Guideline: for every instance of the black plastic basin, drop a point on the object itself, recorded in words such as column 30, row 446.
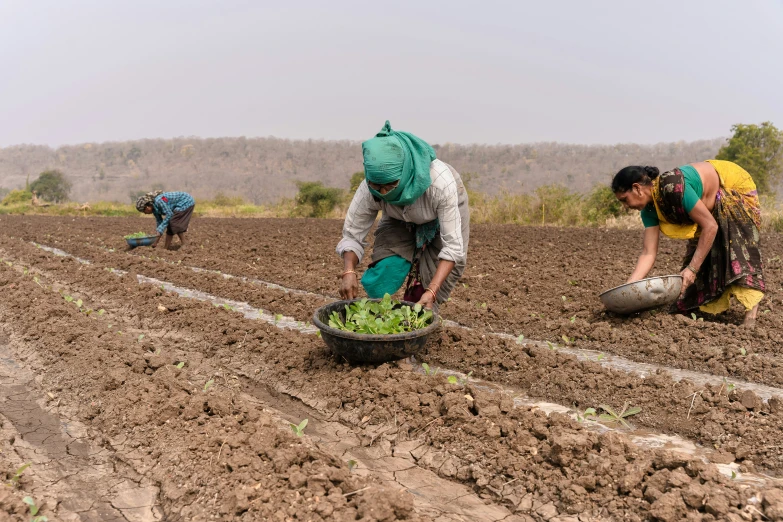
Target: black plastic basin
column 366, row 348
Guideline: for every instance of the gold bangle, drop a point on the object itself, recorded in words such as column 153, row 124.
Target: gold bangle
column 430, row 290
column 689, row 267
column 348, row 272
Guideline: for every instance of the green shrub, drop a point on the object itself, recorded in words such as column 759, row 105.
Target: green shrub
column 356, row 180
column 602, row 204
column 316, row 200
column 16, row 197
column 222, row 200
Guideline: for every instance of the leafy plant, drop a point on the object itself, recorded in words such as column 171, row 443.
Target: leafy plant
column 278, row 317
column 589, row 412
column 428, row 370
column 180, row 364
column 520, row 339
column 612, row 416
column 452, row 379
column 135, row 235
column 209, row 384
column 18, row 474
column 299, row 430
column 380, row 317
column 34, row 510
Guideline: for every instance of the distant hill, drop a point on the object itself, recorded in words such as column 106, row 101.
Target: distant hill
column 265, row 169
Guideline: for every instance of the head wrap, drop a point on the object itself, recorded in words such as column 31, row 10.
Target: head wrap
column 147, row 199
column 398, row 156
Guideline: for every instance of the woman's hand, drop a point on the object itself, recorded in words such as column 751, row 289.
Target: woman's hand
column 153, row 245
column 427, row 300
column 688, row 278
column 349, row 286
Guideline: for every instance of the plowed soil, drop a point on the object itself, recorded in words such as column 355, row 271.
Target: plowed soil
column 132, row 403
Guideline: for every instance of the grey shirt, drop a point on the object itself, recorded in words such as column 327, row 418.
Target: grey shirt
column 440, row 201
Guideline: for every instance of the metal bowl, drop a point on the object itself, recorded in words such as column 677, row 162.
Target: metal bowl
column 643, row 294
column 367, row 348
column 134, row 242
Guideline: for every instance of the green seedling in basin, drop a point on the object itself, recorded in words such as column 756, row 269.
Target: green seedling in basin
column 135, row 235
column 299, row 429
column 612, row 416
column 382, row 317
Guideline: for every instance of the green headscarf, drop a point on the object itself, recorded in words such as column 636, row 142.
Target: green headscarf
column 393, row 155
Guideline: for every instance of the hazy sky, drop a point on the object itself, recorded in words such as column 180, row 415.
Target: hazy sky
column 462, row 72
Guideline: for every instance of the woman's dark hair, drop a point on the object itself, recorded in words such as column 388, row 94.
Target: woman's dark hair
column 626, row 178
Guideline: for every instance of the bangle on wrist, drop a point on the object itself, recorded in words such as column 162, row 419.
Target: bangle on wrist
column 690, row 267
column 430, row 290
column 348, row 272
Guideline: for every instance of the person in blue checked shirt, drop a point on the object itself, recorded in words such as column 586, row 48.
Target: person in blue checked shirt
column 172, row 211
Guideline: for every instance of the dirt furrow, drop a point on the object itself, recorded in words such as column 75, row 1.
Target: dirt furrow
column 385, row 393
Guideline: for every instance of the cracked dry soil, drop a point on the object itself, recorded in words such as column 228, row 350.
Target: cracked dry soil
column 419, row 448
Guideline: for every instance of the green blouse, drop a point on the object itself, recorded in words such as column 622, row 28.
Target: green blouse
column 692, row 194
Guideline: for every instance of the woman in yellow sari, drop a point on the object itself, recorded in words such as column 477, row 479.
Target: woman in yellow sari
column 714, row 205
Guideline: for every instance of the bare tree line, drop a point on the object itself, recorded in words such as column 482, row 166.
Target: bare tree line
column 263, row 170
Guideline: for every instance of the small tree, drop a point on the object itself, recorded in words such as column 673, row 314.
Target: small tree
column 317, row 199
column 356, row 180
column 759, row 150
column 601, row 203
column 52, row 186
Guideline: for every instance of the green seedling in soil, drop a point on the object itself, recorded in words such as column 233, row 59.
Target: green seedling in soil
column 299, row 430
column 573, row 283
column 278, row 317
column 464, row 285
column 743, row 351
column 382, row 317
column 18, row 475
column 589, row 412
column 733, row 475
column 209, row 384
column 101, row 311
column 550, row 345
column 520, row 339
column 452, row 379
column 567, row 339
column 612, row 416
column 157, row 352
column 68, row 298
column 318, row 333
column 141, row 336
column 573, row 319
column 428, row 370
column 34, row 510
column 180, row 364
column 352, row 465
column 483, row 305
column 135, row 235
column 600, row 356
